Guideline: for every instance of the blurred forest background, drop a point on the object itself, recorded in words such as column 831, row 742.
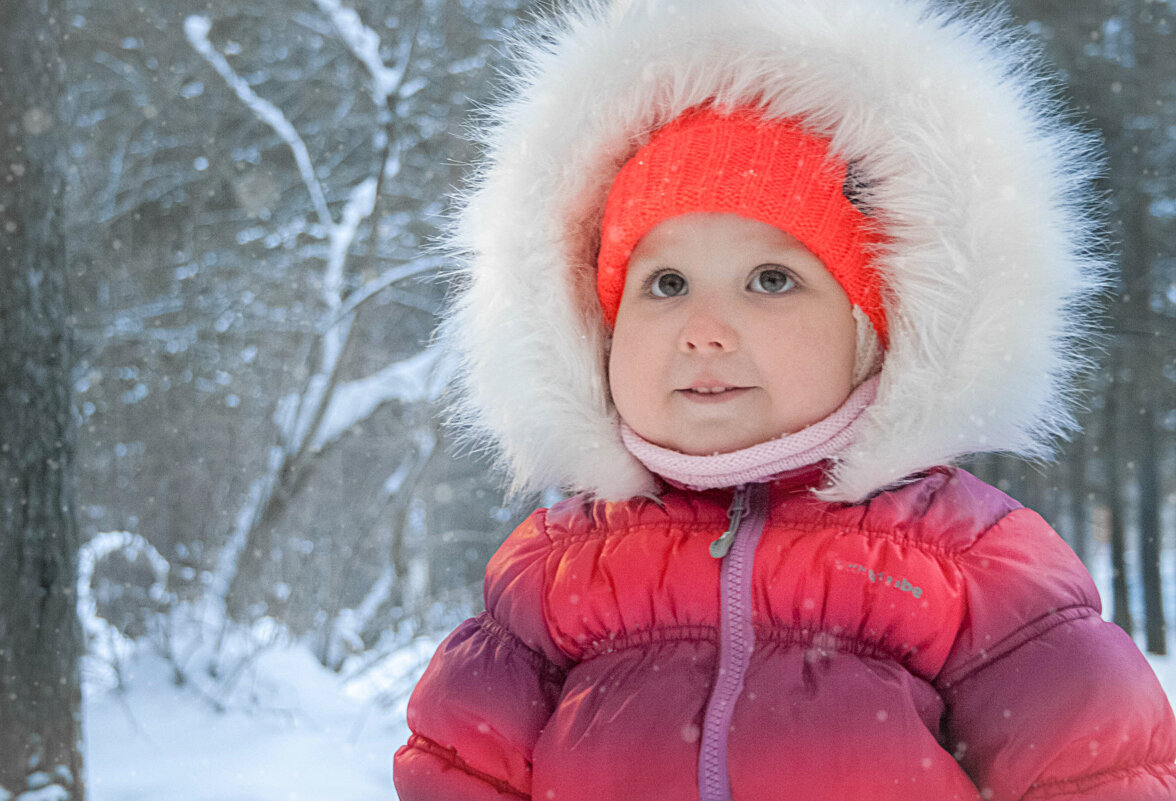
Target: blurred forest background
column 250, row 188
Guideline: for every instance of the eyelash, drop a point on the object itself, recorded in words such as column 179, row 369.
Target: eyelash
column 652, row 279
column 775, row 268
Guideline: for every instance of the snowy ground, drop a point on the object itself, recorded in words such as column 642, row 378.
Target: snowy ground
column 293, row 731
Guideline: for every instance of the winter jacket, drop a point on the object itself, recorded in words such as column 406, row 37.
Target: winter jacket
column 937, row 642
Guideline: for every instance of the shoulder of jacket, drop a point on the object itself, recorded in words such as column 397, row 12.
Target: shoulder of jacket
column 584, row 515
column 944, row 508
column 574, row 516
column 1019, row 580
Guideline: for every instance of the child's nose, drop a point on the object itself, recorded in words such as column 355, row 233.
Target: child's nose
column 707, row 332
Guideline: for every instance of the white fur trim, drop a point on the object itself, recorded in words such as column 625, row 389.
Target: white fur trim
column 979, row 182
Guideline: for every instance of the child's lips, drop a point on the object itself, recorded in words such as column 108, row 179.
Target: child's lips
column 712, row 393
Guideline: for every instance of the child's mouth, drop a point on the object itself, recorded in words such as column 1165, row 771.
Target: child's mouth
column 713, row 394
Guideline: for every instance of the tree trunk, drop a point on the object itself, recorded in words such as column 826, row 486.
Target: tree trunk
column 1076, row 466
column 1149, row 537
column 1116, row 503
column 40, row 638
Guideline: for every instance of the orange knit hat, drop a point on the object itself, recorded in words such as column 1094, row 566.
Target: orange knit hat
column 773, row 171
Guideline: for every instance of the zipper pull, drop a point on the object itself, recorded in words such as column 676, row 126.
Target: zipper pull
column 719, row 548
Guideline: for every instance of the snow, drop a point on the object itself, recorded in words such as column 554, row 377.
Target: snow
column 100, row 635
column 296, row 734
column 52, row 792
column 365, row 45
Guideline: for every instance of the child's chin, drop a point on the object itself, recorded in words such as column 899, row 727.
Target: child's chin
column 710, row 446
column 705, row 437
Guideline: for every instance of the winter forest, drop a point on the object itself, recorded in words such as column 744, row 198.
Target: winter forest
column 235, row 527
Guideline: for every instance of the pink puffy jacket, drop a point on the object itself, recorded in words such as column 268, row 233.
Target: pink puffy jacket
column 938, row 642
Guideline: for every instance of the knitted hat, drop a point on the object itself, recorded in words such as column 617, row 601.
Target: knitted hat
column 770, row 170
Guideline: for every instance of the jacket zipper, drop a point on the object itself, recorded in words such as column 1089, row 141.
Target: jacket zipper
column 736, row 547
column 719, row 548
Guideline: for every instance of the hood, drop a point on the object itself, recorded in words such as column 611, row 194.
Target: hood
column 977, row 178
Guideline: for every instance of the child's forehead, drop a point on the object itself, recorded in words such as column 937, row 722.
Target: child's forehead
column 720, row 230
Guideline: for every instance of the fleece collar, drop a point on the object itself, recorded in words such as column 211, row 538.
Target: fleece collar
column 820, row 442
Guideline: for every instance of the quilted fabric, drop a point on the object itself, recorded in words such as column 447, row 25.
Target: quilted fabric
column 938, row 642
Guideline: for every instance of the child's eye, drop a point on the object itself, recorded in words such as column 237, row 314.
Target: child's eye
column 667, row 285
column 771, row 281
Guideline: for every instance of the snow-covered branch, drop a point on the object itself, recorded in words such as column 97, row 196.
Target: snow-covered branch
column 98, row 548
column 196, row 29
column 382, row 281
column 360, row 203
column 412, row 380
column 228, row 560
column 364, row 44
column 324, row 409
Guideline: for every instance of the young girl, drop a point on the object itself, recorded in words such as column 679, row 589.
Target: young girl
column 747, row 276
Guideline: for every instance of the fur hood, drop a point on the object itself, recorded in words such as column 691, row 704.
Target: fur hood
column 980, row 183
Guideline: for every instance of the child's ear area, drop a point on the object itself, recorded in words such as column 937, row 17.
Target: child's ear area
column 606, row 353
column 869, row 355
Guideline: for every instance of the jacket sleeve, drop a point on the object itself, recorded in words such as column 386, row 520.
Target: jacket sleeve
column 489, row 689
column 1045, row 699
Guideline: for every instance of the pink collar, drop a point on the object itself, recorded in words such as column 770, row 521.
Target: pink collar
column 820, row 441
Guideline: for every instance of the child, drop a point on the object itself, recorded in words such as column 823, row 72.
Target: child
column 747, row 275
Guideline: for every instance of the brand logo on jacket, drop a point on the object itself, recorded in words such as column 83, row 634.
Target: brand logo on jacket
column 900, row 583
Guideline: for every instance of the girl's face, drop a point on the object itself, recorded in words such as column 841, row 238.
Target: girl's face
column 730, row 332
